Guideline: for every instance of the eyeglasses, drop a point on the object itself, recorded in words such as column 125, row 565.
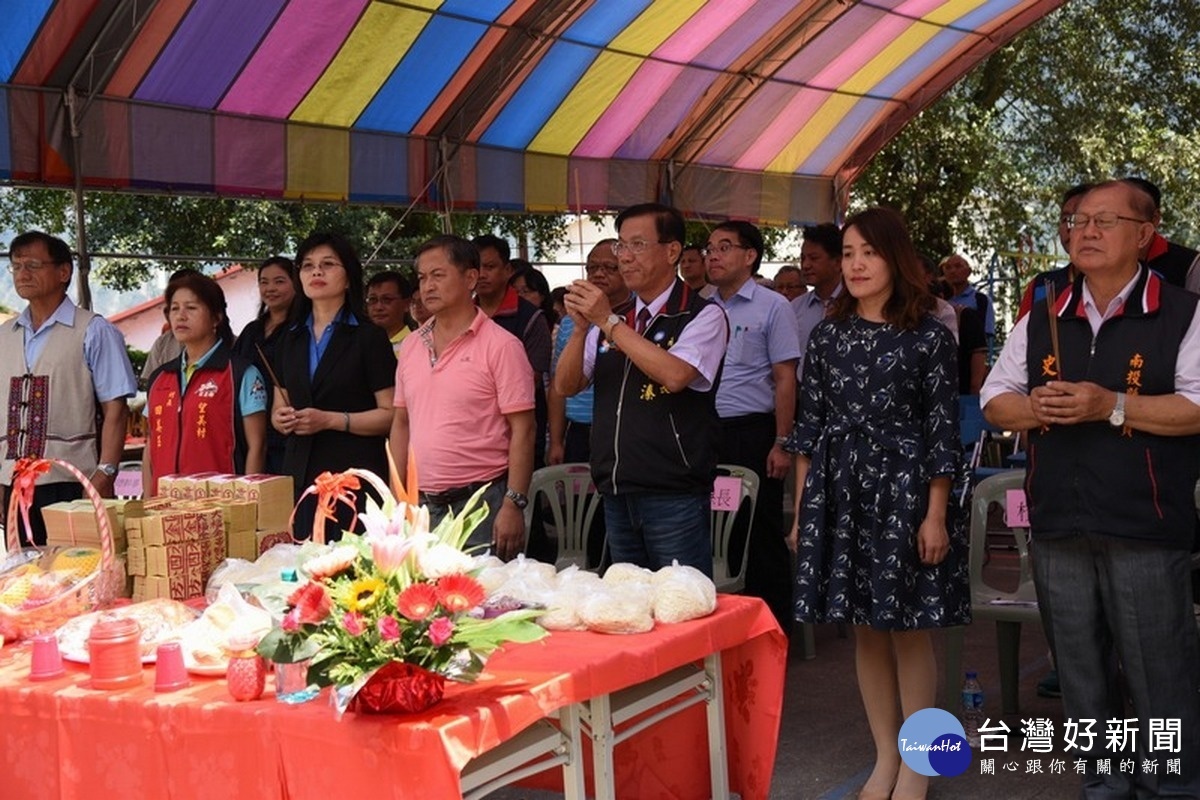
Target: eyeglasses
column 722, row 248
column 28, row 264
column 381, row 299
column 601, row 267
column 1105, row 220
column 324, row 266
column 634, row 248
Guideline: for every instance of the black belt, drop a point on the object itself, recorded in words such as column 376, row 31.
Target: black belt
column 451, row 496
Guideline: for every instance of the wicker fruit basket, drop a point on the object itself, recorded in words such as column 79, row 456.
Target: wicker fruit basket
column 40, row 591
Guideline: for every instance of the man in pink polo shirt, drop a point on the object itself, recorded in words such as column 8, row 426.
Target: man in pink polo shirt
column 464, row 400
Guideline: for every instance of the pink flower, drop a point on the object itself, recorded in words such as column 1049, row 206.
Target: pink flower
column 440, row 631
column 389, row 552
column 389, row 629
column 291, row 621
column 354, row 623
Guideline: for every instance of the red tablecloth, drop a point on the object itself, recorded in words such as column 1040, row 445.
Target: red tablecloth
column 63, row 739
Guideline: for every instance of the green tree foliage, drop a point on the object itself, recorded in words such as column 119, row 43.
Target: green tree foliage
column 1099, row 89
column 221, row 228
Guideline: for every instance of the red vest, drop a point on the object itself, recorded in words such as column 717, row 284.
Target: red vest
column 195, row 433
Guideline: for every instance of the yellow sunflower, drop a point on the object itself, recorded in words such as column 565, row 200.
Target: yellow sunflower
column 361, row 594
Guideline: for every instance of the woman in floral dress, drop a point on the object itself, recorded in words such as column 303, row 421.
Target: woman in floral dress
column 877, row 447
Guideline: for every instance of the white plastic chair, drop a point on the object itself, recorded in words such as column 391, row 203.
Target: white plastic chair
column 1009, row 609
column 573, row 502
column 722, row 530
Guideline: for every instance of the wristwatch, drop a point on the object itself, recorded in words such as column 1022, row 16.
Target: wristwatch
column 1117, row 417
column 611, row 322
column 108, row 469
column 519, row 500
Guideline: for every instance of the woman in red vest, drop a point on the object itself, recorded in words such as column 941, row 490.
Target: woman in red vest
column 206, row 409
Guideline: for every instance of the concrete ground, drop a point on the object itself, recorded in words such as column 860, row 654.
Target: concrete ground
column 825, row 750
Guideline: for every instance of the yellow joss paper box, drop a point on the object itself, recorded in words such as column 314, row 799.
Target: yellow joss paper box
column 150, row 587
column 222, row 487
column 180, row 543
column 185, row 487
column 75, row 523
column 249, row 545
column 272, row 496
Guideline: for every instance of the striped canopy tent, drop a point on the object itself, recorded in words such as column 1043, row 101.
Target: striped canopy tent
column 761, row 109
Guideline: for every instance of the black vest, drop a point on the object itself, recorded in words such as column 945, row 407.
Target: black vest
column 1174, row 264
column 1096, row 478
column 644, row 438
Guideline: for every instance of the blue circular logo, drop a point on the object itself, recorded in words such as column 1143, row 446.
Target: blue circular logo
column 932, row 742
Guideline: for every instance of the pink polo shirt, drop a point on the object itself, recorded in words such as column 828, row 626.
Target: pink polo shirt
column 456, row 405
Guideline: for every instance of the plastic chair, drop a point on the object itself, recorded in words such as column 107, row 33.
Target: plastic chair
column 1009, row 609
column 573, row 502
column 974, row 432
column 722, row 530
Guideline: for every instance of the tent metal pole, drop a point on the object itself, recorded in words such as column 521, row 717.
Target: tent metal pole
column 83, row 289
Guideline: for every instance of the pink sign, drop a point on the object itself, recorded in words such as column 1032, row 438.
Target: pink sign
column 726, row 493
column 128, row 483
column 1016, row 509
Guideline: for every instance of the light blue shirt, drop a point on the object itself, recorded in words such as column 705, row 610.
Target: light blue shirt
column 252, row 394
column 810, row 310
column 103, row 350
column 317, row 344
column 762, row 333
column 579, row 406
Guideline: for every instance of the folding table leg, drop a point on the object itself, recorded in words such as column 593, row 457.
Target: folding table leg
column 573, row 777
column 601, row 726
column 718, row 761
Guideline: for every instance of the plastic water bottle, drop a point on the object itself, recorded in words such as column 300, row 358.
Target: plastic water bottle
column 291, row 680
column 972, row 704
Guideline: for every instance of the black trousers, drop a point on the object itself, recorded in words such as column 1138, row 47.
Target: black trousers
column 747, row 441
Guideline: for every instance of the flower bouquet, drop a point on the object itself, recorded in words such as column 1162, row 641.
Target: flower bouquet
column 387, row 615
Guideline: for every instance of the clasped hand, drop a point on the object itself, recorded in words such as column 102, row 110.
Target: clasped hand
column 587, row 304
column 1069, row 403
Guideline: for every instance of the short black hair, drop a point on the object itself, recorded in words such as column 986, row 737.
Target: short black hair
column 495, row 242
column 1149, row 188
column 348, row 255
column 403, row 285
column 59, row 252
column 827, row 236
column 668, row 221
column 748, row 236
column 1076, row 191
column 459, row 252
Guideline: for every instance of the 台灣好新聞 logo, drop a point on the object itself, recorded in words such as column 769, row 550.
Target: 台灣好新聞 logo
column 932, row 742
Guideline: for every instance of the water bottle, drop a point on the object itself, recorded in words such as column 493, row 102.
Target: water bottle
column 972, row 705
column 291, row 679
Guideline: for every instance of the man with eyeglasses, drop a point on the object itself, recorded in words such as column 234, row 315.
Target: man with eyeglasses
column 571, row 417
column 655, row 372
column 756, row 403
column 1109, row 390
column 389, row 295
column 63, row 367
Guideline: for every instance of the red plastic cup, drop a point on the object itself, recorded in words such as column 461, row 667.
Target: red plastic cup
column 169, row 671
column 47, row 660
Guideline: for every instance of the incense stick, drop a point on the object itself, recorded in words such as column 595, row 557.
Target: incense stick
column 274, row 378
column 1050, row 303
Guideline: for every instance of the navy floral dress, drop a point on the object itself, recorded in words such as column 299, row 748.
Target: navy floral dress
column 879, row 420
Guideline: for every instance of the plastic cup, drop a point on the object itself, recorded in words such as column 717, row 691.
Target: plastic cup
column 47, row 660
column 169, row 671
